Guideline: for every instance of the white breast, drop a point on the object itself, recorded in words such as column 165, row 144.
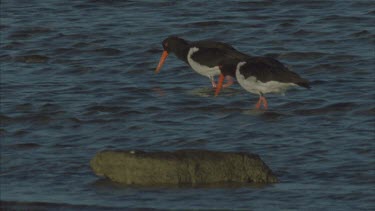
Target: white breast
column 251, row 84
column 201, row 69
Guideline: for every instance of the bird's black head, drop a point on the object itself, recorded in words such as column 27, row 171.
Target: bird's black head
column 173, row 44
column 176, row 45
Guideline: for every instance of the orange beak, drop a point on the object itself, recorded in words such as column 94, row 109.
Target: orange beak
column 161, row 61
column 219, row 85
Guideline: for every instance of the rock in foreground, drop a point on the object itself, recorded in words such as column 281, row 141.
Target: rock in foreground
column 181, row 167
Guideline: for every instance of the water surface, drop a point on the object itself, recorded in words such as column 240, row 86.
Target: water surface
column 77, row 77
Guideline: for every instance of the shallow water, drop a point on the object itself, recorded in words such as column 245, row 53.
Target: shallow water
column 77, row 78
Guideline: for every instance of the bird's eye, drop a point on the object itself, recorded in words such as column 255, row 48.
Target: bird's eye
column 165, row 45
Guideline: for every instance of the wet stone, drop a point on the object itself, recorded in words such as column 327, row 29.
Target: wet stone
column 32, row 59
column 181, row 167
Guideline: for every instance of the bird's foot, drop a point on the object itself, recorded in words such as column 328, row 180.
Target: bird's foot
column 262, row 101
column 229, row 82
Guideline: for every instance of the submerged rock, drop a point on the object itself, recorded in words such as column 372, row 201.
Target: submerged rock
column 181, row 167
column 32, row 59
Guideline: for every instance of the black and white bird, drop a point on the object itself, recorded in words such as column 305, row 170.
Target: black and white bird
column 261, row 75
column 205, row 56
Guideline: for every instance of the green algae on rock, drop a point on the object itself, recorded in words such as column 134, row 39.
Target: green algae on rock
column 181, row 167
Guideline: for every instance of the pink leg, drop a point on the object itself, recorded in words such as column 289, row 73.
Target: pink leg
column 262, row 101
column 229, row 81
column 265, row 104
column 257, row 106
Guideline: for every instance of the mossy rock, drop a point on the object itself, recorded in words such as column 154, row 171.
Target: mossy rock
column 181, row 167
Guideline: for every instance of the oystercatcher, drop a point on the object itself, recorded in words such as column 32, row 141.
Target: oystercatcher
column 203, row 56
column 261, row 75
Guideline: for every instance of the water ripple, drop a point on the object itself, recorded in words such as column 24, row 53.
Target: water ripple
column 336, row 107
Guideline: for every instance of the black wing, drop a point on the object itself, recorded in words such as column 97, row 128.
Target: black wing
column 268, row 69
column 213, row 53
column 212, row 44
column 209, row 56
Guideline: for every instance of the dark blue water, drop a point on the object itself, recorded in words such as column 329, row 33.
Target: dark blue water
column 77, row 77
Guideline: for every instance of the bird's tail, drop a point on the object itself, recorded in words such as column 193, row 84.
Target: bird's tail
column 304, row 83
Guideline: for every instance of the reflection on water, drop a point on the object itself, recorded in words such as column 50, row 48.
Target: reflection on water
column 210, row 92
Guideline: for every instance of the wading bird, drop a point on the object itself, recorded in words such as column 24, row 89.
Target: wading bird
column 261, row 75
column 203, row 56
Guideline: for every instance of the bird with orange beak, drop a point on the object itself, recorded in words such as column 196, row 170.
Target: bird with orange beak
column 205, row 56
column 261, row 75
